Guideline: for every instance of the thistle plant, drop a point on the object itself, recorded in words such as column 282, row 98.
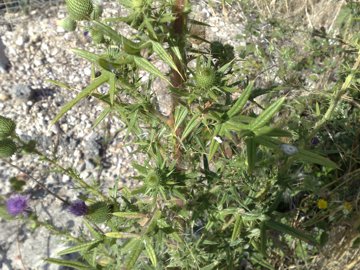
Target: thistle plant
column 215, row 169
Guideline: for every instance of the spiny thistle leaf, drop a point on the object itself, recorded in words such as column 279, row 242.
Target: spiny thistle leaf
column 82, row 247
column 135, row 252
column 7, row 127
column 267, row 114
column 75, row 265
column 87, row 90
column 7, row 148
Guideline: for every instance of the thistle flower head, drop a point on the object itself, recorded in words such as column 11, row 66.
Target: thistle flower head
column 78, row 208
column 17, row 204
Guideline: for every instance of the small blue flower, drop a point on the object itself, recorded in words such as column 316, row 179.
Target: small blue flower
column 17, row 204
column 78, row 208
column 315, row 141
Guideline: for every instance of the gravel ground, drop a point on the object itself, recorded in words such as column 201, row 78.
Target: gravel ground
column 39, row 50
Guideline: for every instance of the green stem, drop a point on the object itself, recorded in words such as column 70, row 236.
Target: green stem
column 338, row 93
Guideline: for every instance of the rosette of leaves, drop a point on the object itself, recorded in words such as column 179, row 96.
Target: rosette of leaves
column 7, row 127
column 79, row 9
column 99, row 212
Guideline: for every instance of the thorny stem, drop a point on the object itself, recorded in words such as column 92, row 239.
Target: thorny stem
column 177, row 80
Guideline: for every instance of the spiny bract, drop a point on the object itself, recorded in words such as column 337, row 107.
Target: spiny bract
column 7, row 148
column 7, row 127
column 99, row 212
column 68, row 24
column 205, row 77
column 97, row 36
column 79, row 9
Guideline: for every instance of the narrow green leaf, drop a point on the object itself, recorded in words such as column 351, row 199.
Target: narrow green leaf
column 93, row 232
column 136, row 250
column 312, row 157
column 129, row 215
column 283, row 228
column 153, row 221
column 86, row 91
column 176, row 52
column 237, row 227
column 241, row 101
column 147, row 66
column 236, row 126
column 223, row 69
column 150, row 251
column 102, row 116
column 112, row 89
column 92, row 57
column 267, row 114
column 268, row 142
column 215, row 142
column 116, row 37
column 77, row 248
column 256, row 258
column 272, row 132
column 162, row 53
column 263, row 239
column 191, row 125
column 75, row 265
column 149, row 26
column 251, row 147
column 180, row 115
column 121, row 235
column 60, row 84
column 210, row 266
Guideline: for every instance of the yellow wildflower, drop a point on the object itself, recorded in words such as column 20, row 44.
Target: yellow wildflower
column 322, row 204
column 347, row 206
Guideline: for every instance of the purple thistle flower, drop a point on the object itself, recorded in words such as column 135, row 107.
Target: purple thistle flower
column 78, row 208
column 315, row 141
column 17, row 204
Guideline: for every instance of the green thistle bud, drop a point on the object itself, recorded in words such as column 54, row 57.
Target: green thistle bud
column 97, row 12
column 7, row 127
column 205, row 77
column 152, row 179
column 68, row 24
column 99, row 212
column 7, row 148
column 97, row 36
column 79, row 9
